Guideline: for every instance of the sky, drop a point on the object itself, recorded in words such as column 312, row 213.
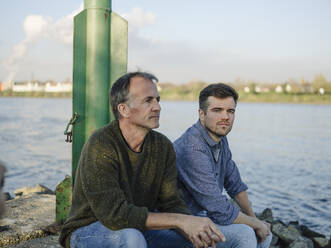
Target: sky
column 179, row 41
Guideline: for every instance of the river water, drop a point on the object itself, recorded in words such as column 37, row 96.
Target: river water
column 283, row 151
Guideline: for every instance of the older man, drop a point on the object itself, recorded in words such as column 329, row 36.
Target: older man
column 125, row 193
column 206, row 167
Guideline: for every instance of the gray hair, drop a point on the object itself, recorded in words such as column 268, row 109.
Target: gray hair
column 119, row 92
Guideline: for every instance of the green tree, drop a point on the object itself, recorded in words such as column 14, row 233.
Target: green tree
column 319, row 81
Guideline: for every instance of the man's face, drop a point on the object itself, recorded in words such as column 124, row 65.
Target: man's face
column 219, row 116
column 144, row 103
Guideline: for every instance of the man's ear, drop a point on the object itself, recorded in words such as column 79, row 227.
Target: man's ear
column 124, row 110
column 201, row 116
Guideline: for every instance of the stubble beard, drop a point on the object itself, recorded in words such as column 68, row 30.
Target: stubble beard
column 147, row 127
column 217, row 134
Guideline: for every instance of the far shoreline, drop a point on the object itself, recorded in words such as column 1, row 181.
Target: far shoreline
column 190, row 96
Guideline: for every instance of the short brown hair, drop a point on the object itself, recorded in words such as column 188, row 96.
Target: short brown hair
column 218, row 90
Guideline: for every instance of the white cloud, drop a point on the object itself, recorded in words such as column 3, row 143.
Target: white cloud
column 62, row 29
column 37, row 28
column 139, row 18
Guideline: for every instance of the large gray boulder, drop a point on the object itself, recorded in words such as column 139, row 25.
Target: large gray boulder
column 26, row 218
column 38, row 189
column 285, row 234
column 321, row 242
column 306, row 243
column 266, row 215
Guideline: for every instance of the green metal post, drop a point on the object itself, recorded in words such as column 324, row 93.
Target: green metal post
column 100, row 57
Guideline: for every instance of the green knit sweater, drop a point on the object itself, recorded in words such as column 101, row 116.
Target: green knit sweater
column 118, row 186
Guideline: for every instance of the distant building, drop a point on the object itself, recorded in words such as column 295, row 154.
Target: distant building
column 321, row 91
column 261, row 89
column 288, row 88
column 36, row 86
column 246, row 89
column 51, row 86
column 279, row 89
column 23, row 87
column 307, row 87
column 5, row 85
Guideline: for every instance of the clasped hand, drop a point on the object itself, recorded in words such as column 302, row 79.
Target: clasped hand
column 201, row 231
column 263, row 231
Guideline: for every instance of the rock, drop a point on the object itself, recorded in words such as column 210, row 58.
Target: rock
column 284, row 233
column 46, row 242
column 30, row 220
column 307, row 243
column 38, row 189
column 266, row 215
column 7, row 196
column 53, row 228
column 310, row 233
column 321, row 242
column 26, row 217
column 4, row 228
column 295, row 228
column 274, row 240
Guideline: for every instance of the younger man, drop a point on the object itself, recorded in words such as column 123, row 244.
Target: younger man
column 205, row 168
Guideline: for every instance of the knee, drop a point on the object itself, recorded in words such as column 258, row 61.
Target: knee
column 266, row 243
column 247, row 237
column 133, row 238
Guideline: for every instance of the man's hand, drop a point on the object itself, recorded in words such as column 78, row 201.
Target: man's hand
column 261, row 228
column 201, row 231
column 262, row 231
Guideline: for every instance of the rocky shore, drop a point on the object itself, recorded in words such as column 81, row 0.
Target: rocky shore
column 29, row 221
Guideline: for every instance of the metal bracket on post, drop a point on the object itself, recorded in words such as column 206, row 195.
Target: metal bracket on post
column 68, row 131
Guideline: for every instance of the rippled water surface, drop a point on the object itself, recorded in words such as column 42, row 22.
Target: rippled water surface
column 283, row 151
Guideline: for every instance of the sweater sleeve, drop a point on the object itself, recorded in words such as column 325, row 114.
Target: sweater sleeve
column 170, row 198
column 99, row 174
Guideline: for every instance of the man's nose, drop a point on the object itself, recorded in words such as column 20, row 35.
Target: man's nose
column 225, row 115
column 156, row 106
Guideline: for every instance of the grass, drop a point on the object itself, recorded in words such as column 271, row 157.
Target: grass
column 36, row 94
column 193, row 95
column 286, row 98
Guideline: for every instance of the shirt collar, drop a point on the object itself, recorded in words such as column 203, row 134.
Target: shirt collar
column 206, row 136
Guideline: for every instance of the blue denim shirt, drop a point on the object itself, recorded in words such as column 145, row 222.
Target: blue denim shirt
column 205, row 168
